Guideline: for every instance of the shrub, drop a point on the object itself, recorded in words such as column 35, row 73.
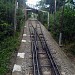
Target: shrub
column 7, row 47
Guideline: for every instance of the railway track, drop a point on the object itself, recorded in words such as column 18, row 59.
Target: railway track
column 42, row 60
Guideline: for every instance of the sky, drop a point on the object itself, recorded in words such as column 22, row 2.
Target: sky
column 32, row 1
column 74, row 0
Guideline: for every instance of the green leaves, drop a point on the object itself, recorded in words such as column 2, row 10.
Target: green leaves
column 3, row 70
column 69, row 24
column 6, row 9
column 8, row 41
column 7, row 47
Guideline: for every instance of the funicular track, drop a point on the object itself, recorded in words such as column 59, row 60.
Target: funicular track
column 39, row 47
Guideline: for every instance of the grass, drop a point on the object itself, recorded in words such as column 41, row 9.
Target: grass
column 70, row 48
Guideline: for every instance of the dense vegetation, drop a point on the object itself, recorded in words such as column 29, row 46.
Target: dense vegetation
column 9, row 40
column 63, row 20
column 68, row 26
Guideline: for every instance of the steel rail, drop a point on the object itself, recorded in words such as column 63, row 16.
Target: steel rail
column 36, row 67
column 31, row 48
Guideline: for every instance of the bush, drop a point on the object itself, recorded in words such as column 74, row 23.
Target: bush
column 42, row 17
column 5, row 30
column 55, row 28
column 20, row 19
column 68, row 26
column 7, row 47
column 8, row 41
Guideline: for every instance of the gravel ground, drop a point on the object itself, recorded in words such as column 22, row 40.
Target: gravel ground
column 21, row 66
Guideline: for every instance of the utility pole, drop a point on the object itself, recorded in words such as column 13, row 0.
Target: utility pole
column 15, row 20
column 55, row 6
column 55, row 10
column 25, row 11
column 54, row 14
column 48, row 21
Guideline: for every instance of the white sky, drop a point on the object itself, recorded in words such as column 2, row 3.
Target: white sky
column 32, row 1
column 74, row 0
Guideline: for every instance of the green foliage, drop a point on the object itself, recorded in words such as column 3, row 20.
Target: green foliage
column 8, row 41
column 6, row 18
column 69, row 25
column 55, row 28
column 6, row 10
column 5, row 29
column 20, row 19
column 43, row 17
column 7, row 47
column 3, row 70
